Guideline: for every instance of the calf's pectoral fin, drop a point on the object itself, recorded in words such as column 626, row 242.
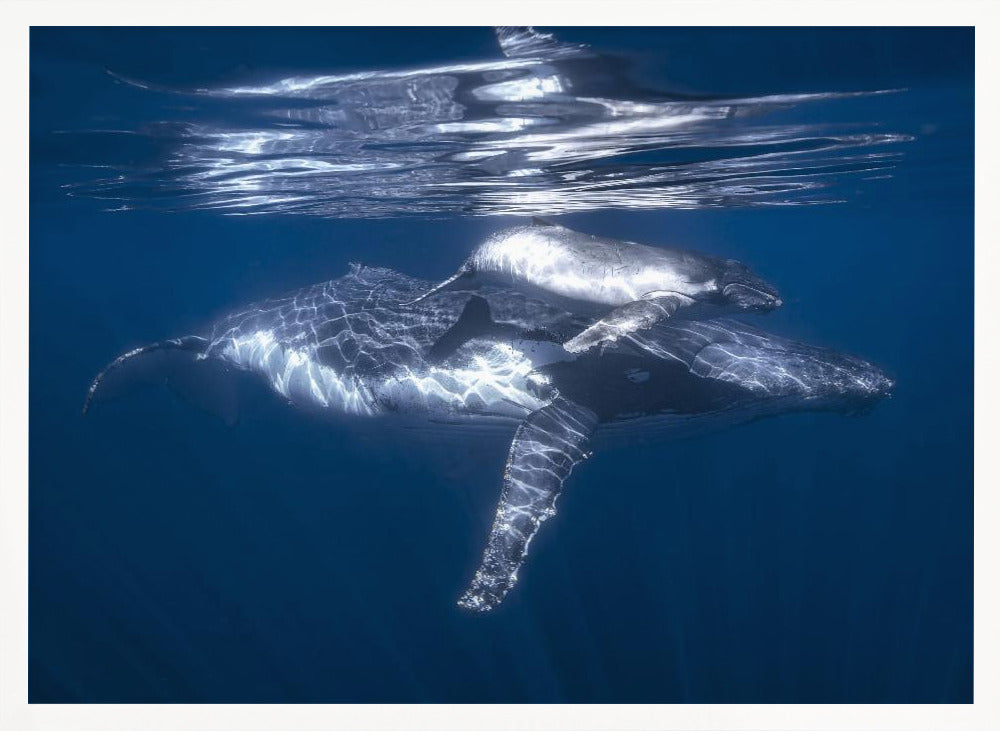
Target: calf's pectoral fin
column 545, row 448
column 455, row 281
column 629, row 318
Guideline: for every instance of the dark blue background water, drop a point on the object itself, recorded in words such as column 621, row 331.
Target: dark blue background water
column 809, row 558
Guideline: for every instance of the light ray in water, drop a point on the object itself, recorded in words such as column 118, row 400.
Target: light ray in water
column 507, row 137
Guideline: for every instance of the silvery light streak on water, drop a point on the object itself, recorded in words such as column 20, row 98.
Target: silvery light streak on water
column 508, row 137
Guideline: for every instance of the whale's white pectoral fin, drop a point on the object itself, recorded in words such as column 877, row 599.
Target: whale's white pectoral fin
column 464, row 272
column 628, row 318
column 545, row 448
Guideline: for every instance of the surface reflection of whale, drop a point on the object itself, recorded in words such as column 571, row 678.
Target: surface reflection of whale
column 542, row 125
column 348, row 346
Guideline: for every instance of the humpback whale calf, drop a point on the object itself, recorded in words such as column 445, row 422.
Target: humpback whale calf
column 639, row 284
column 348, row 346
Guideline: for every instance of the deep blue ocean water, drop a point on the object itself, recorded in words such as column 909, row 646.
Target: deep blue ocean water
column 806, row 558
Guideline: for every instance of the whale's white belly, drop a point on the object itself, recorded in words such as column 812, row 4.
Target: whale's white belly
column 297, row 375
column 591, row 271
column 496, row 380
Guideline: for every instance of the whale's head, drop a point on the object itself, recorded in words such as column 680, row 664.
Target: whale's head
column 793, row 376
column 743, row 290
column 720, row 367
column 866, row 386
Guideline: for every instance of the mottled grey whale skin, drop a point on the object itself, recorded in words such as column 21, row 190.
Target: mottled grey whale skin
column 629, row 286
column 349, row 347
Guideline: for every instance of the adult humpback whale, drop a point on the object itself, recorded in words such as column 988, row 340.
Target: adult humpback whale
column 640, row 284
column 349, row 346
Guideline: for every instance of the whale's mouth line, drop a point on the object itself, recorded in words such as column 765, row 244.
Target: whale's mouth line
column 768, row 298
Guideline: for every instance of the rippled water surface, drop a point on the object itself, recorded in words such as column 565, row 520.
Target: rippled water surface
column 545, row 125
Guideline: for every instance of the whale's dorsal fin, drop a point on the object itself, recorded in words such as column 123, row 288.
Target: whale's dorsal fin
column 540, row 222
column 476, row 321
column 546, row 447
column 522, row 41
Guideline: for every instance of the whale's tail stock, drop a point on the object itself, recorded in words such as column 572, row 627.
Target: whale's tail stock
column 179, row 363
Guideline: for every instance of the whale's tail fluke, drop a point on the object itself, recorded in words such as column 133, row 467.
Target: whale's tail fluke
column 191, row 344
